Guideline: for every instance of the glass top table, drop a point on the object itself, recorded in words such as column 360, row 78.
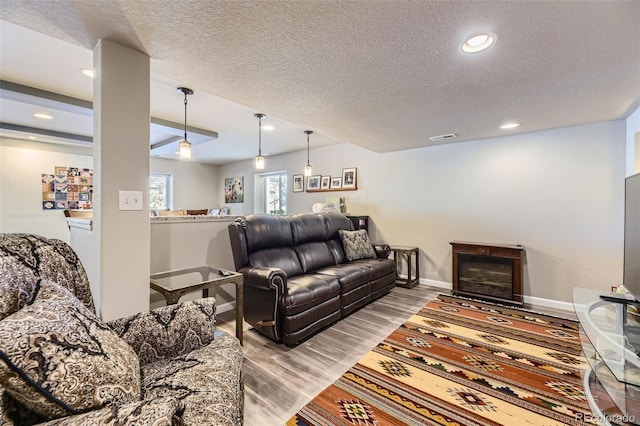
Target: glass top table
column 612, row 358
column 176, row 283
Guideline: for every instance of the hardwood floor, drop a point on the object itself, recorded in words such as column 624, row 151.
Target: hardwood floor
column 280, row 380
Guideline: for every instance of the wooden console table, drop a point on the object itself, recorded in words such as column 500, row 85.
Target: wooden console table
column 489, row 271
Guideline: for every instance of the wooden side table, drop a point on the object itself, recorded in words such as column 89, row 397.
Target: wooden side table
column 409, row 253
column 175, row 284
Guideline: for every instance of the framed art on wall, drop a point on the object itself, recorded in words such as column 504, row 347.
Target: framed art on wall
column 313, row 183
column 68, row 188
column 324, row 182
column 349, row 177
column 298, row 183
column 336, row 183
column 234, row 190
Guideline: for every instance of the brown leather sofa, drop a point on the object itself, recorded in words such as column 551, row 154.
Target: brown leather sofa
column 296, row 274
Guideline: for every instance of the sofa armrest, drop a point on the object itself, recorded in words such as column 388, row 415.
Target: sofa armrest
column 265, row 278
column 160, row 412
column 262, row 291
column 169, row 331
column 383, row 250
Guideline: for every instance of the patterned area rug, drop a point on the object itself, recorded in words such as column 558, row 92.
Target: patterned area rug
column 462, row 362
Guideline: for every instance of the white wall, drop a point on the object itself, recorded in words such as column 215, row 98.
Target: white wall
column 21, row 167
column 22, row 163
column 195, row 185
column 558, row 192
column 633, row 143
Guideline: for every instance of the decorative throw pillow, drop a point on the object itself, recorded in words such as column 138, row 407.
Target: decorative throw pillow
column 356, row 245
column 57, row 358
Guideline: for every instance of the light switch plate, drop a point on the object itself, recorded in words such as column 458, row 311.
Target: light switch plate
column 130, row 200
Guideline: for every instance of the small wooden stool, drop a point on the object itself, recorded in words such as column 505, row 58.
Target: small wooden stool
column 407, row 252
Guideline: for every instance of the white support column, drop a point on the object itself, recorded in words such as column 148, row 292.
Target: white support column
column 121, row 163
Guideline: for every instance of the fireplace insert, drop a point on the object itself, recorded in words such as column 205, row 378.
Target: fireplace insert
column 489, row 271
column 485, row 275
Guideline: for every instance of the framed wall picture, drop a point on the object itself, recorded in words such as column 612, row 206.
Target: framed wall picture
column 68, row 188
column 298, row 183
column 336, row 183
column 349, row 178
column 324, row 182
column 313, row 183
column 234, row 190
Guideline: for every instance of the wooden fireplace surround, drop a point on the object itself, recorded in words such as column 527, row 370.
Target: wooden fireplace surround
column 508, row 251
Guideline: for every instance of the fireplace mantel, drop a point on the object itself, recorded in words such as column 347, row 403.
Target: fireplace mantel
column 489, row 271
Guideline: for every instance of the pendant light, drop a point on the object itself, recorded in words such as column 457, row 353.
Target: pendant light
column 259, row 159
column 307, row 168
column 185, row 145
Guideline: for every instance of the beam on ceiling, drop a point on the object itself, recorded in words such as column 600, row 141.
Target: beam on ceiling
column 44, row 98
column 45, row 132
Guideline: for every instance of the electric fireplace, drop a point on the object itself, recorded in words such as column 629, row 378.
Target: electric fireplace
column 488, row 271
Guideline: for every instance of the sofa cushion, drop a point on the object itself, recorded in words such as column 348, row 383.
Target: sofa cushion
column 357, row 245
column 307, row 291
column 153, row 334
column 284, row 258
column 57, row 358
column 307, row 228
column 266, row 231
column 335, row 222
column 158, row 412
column 314, row 255
column 25, row 258
column 377, row 267
column 349, row 276
column 207, row 380
column 336, row 248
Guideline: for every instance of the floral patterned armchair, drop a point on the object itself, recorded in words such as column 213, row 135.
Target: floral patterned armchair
column 60, row 364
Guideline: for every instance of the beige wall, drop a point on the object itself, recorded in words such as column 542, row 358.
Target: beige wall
column 558, row 192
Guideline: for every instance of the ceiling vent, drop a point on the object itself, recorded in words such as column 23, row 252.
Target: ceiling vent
column 443, row 137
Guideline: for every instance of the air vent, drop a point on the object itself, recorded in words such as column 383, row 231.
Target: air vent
column 443, row 137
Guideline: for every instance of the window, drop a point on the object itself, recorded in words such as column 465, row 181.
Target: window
column 160, row 191
column 271, row 193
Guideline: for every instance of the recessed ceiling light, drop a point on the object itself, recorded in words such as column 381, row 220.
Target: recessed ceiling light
column 508, row 126
column 268, row 128
column 43, row 116
column 88, row 72
column 33, row 138
column 477, row 43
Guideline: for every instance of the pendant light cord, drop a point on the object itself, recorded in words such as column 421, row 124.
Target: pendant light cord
column 260, row 136
column 185, row 116
column 307, row 149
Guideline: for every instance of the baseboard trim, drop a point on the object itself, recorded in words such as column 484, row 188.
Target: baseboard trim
column 548, row 303
column 530, row 300
column 435, row 283
column 225, row 307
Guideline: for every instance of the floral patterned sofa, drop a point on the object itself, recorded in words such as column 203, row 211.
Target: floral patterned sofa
column 60, row 364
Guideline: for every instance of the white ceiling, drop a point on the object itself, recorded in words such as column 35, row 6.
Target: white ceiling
column 385, row 75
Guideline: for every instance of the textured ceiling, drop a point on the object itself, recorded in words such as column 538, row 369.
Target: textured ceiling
column 386, row 75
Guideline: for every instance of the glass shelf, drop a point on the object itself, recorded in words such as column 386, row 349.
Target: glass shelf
column 612, row 359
